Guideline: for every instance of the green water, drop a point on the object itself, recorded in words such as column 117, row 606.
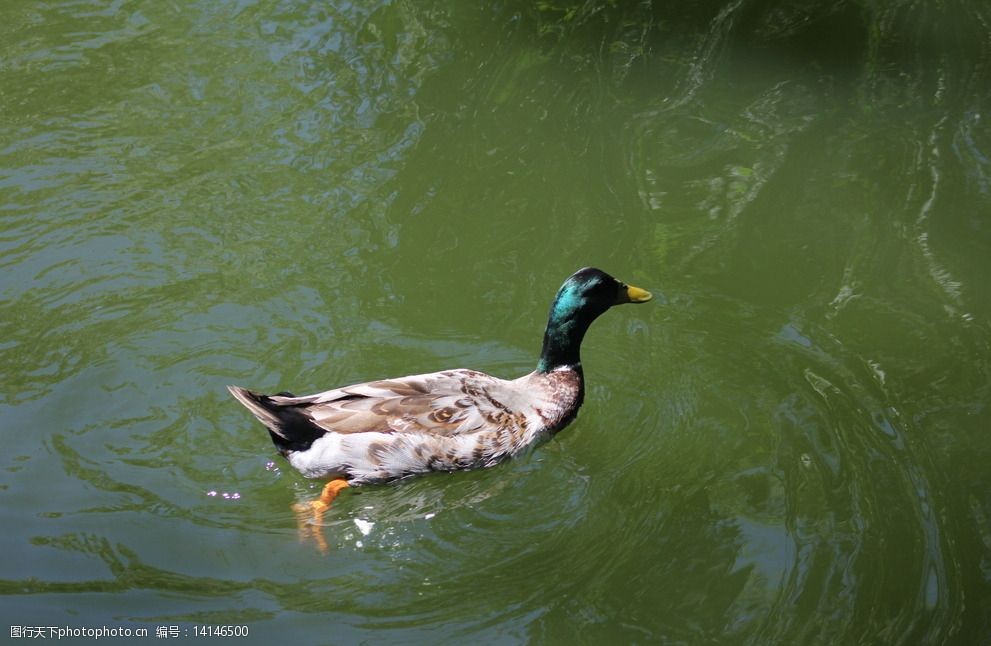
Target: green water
column 791, row 446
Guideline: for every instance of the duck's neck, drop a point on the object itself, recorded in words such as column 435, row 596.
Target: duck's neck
column 563, row 340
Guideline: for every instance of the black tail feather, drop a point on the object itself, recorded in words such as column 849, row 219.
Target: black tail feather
column 296, row 430
column 288, row 424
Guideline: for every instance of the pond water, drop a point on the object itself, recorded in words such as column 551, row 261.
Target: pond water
column 789, row 445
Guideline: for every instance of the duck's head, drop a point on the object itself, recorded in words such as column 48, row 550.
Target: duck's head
column 584, row 296
column 593, row 290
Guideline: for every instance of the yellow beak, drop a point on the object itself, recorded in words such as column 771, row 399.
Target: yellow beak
column 637, row 295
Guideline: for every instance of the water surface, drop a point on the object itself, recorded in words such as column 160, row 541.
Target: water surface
column 791, row 446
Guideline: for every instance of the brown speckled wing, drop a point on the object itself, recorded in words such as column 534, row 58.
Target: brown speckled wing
column 446, row 403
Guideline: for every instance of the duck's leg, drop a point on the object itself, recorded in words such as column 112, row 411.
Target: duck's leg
column 309, row 515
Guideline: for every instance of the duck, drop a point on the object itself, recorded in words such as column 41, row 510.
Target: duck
column 384, row 430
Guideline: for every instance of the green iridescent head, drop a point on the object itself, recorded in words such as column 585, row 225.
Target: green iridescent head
column 582, row 298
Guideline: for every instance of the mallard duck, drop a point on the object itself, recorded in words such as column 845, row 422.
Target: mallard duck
column 442, row 421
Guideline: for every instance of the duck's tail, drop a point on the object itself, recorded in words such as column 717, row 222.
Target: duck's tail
column 284, row 417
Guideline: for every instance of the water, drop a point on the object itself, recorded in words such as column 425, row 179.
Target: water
column 791, row 446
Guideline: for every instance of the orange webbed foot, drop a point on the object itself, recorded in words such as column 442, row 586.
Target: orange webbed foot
column 309, row 515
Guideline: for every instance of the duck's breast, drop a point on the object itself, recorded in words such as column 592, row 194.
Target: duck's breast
column 552, row 398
